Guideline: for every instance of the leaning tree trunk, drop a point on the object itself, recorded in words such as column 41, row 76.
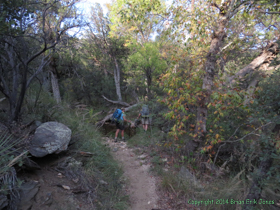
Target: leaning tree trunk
column 16, row 103
column 54, row 81
column 55, row 87
column 210, row 72
column 117, row 78
column 149, row 82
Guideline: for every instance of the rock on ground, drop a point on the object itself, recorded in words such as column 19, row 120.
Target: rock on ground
column 50, row 137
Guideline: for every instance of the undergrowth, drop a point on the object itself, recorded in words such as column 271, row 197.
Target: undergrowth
column 9, row 183
column 101, row 167
column 223, row 192
column 103, row 175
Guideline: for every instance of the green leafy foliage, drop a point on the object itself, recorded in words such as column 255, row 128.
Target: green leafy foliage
column 144, row 66
column 137, row 18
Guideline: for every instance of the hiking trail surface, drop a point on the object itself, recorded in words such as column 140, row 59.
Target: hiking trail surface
column 141, row 184
column 57, row 186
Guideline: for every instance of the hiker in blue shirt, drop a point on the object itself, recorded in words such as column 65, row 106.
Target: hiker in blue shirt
column 145, row 117
column 120, row 125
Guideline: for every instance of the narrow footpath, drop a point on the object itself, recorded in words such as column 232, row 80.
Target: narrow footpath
column 141, row 184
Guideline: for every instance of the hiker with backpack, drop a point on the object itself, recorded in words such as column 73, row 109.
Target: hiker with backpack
column 145, row 117
column 119, row 118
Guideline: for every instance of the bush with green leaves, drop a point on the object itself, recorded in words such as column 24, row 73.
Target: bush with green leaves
column 89, row 87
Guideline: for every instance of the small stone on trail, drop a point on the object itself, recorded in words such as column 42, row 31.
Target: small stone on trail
column 142, row 156
column 75, row 180
column 115, row 149
column 66, row 187
column 59, row 175
column 103, row 182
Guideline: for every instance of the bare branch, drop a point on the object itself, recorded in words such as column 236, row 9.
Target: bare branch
column 228, row 141
column 39, row 69
column 116, row 102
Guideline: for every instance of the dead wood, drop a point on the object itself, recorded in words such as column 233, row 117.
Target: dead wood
column 98, row 113
column 16, row 159
column 101, row 123
column 131, row 107
column 84, row 154
column 109, row 116
column 116, row 102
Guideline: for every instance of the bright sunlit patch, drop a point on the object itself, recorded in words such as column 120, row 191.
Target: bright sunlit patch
column 85, row 5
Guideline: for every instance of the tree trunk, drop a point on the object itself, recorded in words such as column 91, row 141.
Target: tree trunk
column 54, row 81
column 55, row 87
column 16, row 104
column 149, row 82
column 117, row 79
column 192, row 6
column 116, row 102
column 265, row 58
column 105, row 71
column 210, row 72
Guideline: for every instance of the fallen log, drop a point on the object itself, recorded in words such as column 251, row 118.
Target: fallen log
column 109, row 116
column 131, row 107
column 101, row 122
column 116, row 102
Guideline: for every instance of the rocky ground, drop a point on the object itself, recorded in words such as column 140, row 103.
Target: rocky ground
column 56, row 186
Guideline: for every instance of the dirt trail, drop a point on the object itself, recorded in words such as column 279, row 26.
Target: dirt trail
column 142, row 185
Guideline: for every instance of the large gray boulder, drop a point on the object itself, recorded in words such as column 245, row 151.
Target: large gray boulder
column 49, row 138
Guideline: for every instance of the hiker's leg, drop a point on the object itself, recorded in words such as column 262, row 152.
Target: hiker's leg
column 146, row 127
column 117, row 132
column 122, row 133
column 143, row 122
column 146, row 123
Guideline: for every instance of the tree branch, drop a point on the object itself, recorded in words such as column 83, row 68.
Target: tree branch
column 268, row 54
column 228, row 141
column 116, row 102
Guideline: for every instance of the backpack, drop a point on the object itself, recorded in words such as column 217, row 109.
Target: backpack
column 145, row 111
column 117, row 115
